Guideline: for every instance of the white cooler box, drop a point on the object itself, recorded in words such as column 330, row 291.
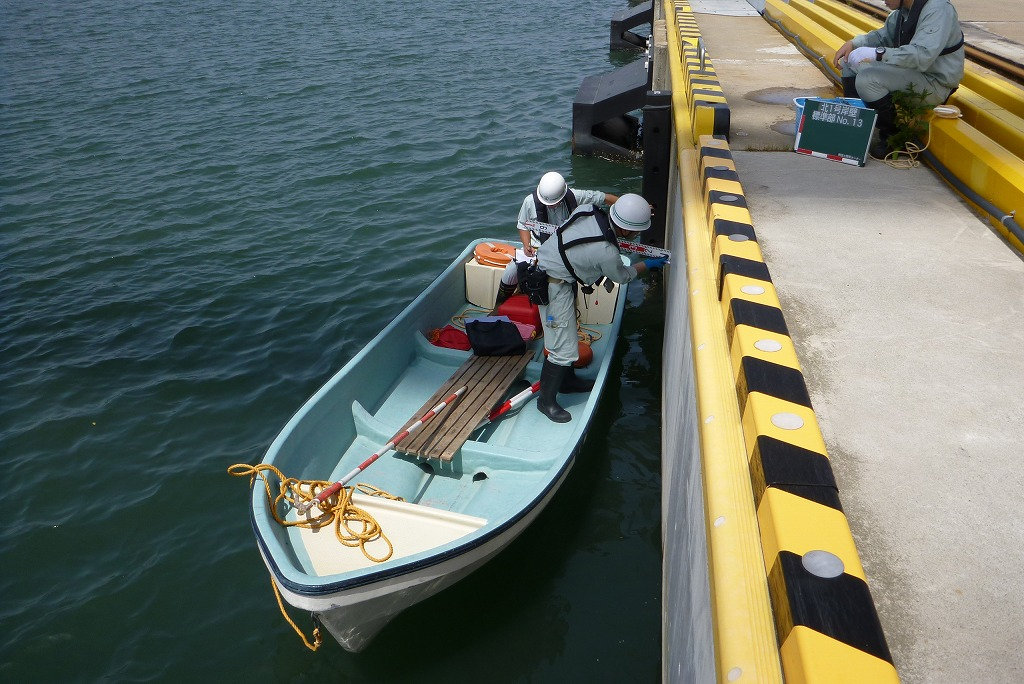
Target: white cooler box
column 482, row 283
column 482, row 287
column 598, row 306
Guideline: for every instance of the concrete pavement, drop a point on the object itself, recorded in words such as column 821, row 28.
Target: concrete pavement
column 761, row 73
column 906, row 313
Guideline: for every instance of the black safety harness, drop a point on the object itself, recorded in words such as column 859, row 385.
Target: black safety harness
column 607, row 235
column 906, row 28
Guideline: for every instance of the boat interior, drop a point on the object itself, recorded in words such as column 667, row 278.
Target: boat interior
column 496, row 472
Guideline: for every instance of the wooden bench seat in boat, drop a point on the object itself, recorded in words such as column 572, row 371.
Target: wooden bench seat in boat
column 486, row 378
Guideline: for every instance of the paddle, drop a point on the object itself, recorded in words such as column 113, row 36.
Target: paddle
column 336, row 487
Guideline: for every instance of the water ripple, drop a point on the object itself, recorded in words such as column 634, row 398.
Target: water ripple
column 205, row 210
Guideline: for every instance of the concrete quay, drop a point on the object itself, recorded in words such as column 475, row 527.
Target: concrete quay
column 906, row 309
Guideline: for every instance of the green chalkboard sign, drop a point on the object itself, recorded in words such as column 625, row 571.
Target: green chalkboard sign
column 834, row 129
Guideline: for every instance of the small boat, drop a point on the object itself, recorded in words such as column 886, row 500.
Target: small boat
column 455, row 511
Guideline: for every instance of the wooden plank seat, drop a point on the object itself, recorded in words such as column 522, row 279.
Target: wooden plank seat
column 486, row 378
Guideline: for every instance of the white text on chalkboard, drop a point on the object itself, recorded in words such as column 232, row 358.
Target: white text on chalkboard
column 842, row 114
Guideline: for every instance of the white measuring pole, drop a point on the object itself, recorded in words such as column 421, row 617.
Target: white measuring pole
column 625, row 245
column 334, row 488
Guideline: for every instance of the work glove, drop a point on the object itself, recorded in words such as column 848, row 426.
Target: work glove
column 855, row 60
column 654, row 264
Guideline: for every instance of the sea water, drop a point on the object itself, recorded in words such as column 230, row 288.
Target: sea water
column 206, row 208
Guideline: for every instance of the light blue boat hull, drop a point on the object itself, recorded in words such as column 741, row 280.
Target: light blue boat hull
column 495, row 485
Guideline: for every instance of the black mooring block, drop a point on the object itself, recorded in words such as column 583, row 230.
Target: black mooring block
column 602, row 123
column 622, row 38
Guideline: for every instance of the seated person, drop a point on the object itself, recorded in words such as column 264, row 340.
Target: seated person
column 920, row 45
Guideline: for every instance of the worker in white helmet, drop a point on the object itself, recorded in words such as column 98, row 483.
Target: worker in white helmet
column 583, row 251
column 551, row 202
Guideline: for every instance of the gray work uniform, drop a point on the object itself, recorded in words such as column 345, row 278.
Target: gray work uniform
column 556, row 216
column 591, row 261
column 918, row 63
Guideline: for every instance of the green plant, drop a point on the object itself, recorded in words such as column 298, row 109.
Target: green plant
column 911, row 117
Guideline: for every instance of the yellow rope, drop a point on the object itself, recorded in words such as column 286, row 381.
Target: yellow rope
column 317, row 639
column 907, row 157
column 585, row 334
column 459, row 320
column 353, row 526
column 337, row 509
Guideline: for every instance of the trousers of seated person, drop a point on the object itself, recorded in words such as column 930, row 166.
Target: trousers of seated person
column 878, row 80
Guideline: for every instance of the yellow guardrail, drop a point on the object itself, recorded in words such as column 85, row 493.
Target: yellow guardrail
column 789, row 596
column 705, row 101
column 744, row 634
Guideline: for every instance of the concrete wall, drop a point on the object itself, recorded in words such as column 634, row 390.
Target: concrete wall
column 687, row 637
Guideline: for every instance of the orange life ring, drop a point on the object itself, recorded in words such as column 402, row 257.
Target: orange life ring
column 496, row 254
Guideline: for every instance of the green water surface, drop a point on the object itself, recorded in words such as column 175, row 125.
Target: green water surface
column 206, row 208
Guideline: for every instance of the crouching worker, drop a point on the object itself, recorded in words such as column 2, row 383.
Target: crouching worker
column 920, row 45
column 582, row 251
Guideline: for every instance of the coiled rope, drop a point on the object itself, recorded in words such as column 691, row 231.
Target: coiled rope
column 585, row 334
column 337, row 510
column 907, row 157
column 353, row 526
column 459, row 320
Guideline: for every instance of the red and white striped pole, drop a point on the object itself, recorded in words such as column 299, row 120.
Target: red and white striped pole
column 513, row 402
column 336, row 487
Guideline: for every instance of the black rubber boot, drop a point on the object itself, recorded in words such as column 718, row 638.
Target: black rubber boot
column 504, row 292
column 850, row 86
column 885, row 124
column 551, row 377
column 573, row 385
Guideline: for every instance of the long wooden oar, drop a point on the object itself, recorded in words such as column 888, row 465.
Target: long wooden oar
column 336, row 487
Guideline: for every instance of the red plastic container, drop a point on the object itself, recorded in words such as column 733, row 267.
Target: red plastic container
column 518, row 308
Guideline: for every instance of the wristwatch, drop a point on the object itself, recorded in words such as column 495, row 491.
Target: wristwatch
column 879, row 53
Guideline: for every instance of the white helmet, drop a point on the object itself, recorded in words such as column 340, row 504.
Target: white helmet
column 631, row 212
column 551, row 188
